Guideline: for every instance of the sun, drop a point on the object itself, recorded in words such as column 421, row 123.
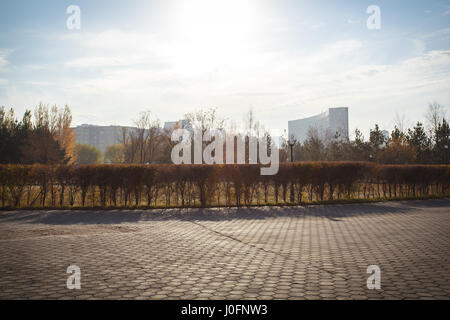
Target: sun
column 207, row 20
column 215, row 32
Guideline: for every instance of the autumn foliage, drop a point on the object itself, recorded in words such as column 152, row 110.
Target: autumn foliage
column 214, row 185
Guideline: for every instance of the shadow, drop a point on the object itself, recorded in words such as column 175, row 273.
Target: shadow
column 430, row 203
column 335, row 213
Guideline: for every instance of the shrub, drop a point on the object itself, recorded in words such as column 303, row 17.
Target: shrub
column 188, row 185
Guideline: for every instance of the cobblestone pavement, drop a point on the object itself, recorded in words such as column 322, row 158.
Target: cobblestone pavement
column 319, row 252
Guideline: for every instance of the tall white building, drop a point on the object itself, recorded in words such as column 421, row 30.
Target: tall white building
column 328, row 124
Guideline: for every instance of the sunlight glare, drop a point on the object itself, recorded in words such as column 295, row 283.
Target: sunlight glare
column 215, row 32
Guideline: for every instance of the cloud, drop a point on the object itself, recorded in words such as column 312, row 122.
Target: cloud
column 335, row 50
column 335, row 74
column 342, row 47
column 3, row 57
column 104, row 61
column 353, row 21
column 115, row 48
column 372, row 91
column 35, row 67
column 38, row 83
column 113, row 40
column 3, row 61
column 419, row 47
column 440, row 34
column 447, row 12
column 115, row 74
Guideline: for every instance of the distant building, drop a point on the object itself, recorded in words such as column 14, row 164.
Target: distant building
column 102, row 137
column 329, row 123
column 99, row 136
column 180, row 124
column 386, row 135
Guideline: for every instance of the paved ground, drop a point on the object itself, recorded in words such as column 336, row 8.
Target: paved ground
column 318, row 252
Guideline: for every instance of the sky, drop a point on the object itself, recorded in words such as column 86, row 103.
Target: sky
column 285, row 59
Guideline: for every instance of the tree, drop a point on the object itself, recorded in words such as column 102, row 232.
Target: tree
column 397, row 149
column 376, row 141
column 442, row 139
column 335, row 148
column 285, row 149
column 86, row 154
column 40, row 147
column 313, row 147
column 376, row 138
column 397, row 135
column 29, row 141
column 63, row 133
column 205, row 120
column 13, row 135
column 115, row 154
column 141, row 144
column 57, row 122
column 358, row 150
column 418, row 139
column 251, row 125
column 434, row 116
column 400, row 122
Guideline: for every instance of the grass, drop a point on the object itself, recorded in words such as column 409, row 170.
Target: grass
column 305, row 204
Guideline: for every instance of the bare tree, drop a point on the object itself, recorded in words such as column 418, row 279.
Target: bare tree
column 401, row 122
column 434, row 116
column 205, row 119
column 141, row 143
column 253, row 127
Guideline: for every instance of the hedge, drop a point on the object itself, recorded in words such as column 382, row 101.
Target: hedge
column 214, row 185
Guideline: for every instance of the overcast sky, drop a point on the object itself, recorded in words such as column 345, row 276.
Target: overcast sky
column 286, row 59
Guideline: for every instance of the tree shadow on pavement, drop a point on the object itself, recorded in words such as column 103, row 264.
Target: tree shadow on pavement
column 334, row 213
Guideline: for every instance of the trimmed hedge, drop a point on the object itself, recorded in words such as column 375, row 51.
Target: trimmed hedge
column 217, row 185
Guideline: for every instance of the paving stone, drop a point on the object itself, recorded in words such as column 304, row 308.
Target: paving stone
column 316, row 252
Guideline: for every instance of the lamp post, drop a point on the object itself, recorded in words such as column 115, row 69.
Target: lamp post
column 292, row 143
column 445, row 152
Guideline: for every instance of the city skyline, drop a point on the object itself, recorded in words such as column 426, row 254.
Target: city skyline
column 332, row 121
